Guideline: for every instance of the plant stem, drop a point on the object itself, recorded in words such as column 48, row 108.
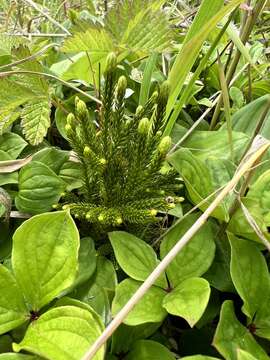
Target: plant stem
column 14, row 72
column 247, row 28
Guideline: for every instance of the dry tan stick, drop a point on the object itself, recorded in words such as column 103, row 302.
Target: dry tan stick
column 257, row 149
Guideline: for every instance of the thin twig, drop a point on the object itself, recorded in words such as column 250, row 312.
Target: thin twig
column 257, row 150
column 28, row 58
column 14, row 72
column 44, row 13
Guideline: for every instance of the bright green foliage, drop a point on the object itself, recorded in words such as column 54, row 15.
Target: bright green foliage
column 231, row 336
column 188, row 300
column 13, row 311
column 63, row 333
column 122, row 158
column 149, row 309
column 150, row 350
column 249, row 274
column 136, row 258
column 195, row 258
column 44, row 256
column 30, row 91
column 39, row 188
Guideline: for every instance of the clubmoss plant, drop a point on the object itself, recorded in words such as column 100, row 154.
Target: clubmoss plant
column 122, row 158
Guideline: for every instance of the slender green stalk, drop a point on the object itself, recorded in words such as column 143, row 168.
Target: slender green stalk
column 247, row 29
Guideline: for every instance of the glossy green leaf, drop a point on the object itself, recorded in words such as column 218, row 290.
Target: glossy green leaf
column 231, row 335
column 44, row 256
column 71, row 173
column 215, row 143
column 195, row 258
column 39, row 188
column 203, row 178
column 52, row 157
column 249, row 274
column 87, row 262
column 12, row 144
column 199, row 357
column 135, row 256
column 62, row 333
column 13, row 311
column 239, row 224
column 124, row 337
column 149, row 309
column 149, row 350
column 247, row 118
column 243, row 355
column 260, row 190
column 188, row 300
column 106, row 275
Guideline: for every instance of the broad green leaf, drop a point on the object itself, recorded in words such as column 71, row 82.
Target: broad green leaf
column 71, row 173
column 215, row 143
column 11, row 100
column 67, row 301
column 44, row 256
column 124, row 337
column 39, row 188
column 203, row 178
column 52, row 157
column 249, row 274
column 13, row 311
column 188, row 300
column 243, row 355
column 36, row 120
column 106, row 275
column 239, row 224
column 262, row 319
column 135, row 256
column 149, row 308
column 93, row 40
column 87, row 261
column 62, row 333
column 5, row 343
column 260, row 191
column 219, row 275
column 247, row 118
column 231, row 336
column 199, row 357
column 149, row 350
column 12, row 144
column 195, row 258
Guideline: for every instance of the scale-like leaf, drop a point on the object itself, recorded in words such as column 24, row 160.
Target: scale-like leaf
column 13, row 311
column 45, row 256
column 62, row 333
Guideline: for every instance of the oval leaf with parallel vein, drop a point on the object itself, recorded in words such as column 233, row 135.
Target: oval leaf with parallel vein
column 62, row 333
column 13, row 311
column 45, row 256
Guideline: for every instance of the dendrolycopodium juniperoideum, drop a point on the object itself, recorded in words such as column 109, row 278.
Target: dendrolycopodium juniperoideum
column 122, row 157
